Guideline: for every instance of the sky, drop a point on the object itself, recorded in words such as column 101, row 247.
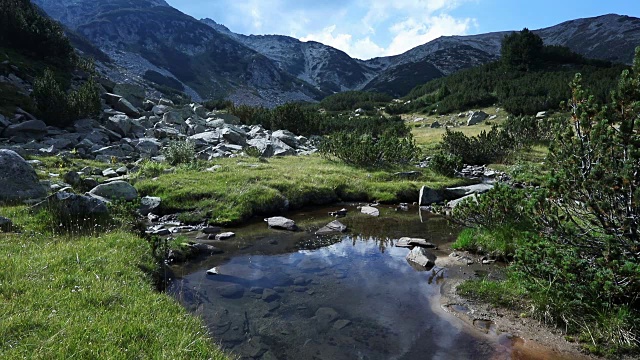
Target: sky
column 370, row 28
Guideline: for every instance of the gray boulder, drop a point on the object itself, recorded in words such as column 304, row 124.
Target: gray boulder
column 458, row 192
column 234, row 135
column 173, row 117
column 68, row 205
column 135, row 94
column 279, row 222
column 72, row 178
column 149, row 204
column 116, row 190
column 18, row 179
column 334, row 227
column 476, row 118
column 286, row 137
column 124, row 106
column 421, row 258
column 264, row 147
column 370, row 210
column 35, row 129
column 120, row 124
column 428, row 196
column 5, row 224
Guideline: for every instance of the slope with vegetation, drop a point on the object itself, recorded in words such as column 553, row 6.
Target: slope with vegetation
column 530, row 77
column 573, row 242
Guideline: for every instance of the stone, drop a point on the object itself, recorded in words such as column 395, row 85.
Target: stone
column 72, row 178
column 19, row 181
column 5, row 224
column 476, row 118
column 149, row 204
column 209, row 137
column 341, row 324
column 286, row 137
column 211, row 230
column 270, row 295
column 32, row 129
column 428, row 196
column 265, row 147
column 230, row 291
column 334, row 227
column 462, row 191
column 148, row 146
column 212, row 271
column 279, row 222
column 403, row 243
column 69, row 205
column 415, row 242
column 326, row 315
column 116, row 190
column 541, row 115
column 135, row 94
column 224, row 236
column 120, row 124
column 206, row 249
column 422, row 258
column 124, row 106
column 435, row 125
column 370, row 210
column 453, row 203
column 234, row 136
column 109, row 173
column 173, row 117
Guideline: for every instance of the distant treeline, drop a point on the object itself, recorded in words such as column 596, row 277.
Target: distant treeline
column 530, row 77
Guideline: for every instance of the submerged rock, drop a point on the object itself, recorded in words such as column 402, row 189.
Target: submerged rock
column 410, row 242
column 231, row 291
column 279, row 222
column 326, row 315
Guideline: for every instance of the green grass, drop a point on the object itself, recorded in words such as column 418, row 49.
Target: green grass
column 245, row 187
column 507, row 294
column 496, row 242
column 65, row 297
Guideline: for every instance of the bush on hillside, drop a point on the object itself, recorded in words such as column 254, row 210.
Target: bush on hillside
column 367, row 151
column 58, row 108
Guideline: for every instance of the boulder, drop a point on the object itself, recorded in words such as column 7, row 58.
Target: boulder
column 72, row 178
column 5, row 224
column 458, row 192
column 173, row 117
column 120, row 124
column 149, row 204
column 134, row 94
column 428, row 196
column 334, row 227
column 286, row 137
column 477, row 117
column 18, row 179
column 279, row 222
column 370, row 210
column 116, row 190
column 68, row 205
column 421, row 258
column 124, row 106
column 265, row 147
column 435, row 125
column 32, row 129
column 224, row 236
column 410, row 242
column 234, row 136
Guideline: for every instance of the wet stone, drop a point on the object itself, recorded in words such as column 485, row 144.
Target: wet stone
column 326, row 315
column 370, row 210
column 300, row 288
column 256, row 290
column 270, row 295
column 231, row 291
column 225, row 236
column 211, row 230
column 341, row 324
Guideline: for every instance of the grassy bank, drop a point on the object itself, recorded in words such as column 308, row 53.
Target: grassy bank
column 65, row 297
column 243, row 187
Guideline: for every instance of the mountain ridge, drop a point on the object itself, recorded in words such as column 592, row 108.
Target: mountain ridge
column 211, row 61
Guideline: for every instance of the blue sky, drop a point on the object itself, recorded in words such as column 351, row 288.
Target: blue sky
column 370, row 28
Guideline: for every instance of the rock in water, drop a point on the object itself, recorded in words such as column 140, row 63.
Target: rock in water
column 18, row 179
column 370, row 210
column 334, row 227
column 224, row 236
column 429, row 196
column 414, row 242
column 116, row 190
column 422, row 258
column 279, row 222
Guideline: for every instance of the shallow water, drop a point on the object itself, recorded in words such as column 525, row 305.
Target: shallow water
column 351, row 296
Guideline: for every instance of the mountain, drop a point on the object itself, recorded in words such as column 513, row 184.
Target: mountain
column 151, row 40
column 328, row 69
column 154, row 41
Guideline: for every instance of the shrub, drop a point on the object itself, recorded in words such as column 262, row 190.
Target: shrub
column 367, row 151
column 180, row 152
column 60, row 109
column 446, row 164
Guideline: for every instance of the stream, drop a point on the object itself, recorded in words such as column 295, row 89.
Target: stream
column 295, row 295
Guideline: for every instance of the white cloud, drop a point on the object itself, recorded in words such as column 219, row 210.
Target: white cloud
column 412, row 32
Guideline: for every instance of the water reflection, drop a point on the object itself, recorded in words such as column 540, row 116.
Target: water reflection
column 356, row 298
